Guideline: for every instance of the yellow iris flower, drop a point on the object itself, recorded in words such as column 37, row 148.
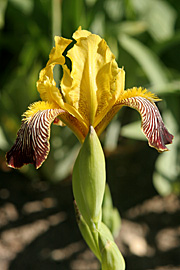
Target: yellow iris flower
column 91, row 93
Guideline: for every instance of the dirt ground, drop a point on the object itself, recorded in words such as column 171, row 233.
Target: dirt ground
column 38, row 229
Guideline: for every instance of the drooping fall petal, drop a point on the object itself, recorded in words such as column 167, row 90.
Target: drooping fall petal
column 32, row 143
column 152, row 123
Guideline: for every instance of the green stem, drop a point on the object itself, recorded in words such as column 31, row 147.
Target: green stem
column 56, row 31
column 95, row 236
column 56, row 18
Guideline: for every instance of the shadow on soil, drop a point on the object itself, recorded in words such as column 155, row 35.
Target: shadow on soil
column 38, row 229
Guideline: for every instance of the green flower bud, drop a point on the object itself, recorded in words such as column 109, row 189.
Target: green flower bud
column 111, row 257
column 89, row 178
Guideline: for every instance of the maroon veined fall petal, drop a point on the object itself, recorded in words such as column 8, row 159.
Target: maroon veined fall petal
column 152, row 123
column 32, row 143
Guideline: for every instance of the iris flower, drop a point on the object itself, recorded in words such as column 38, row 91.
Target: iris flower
column 91, row 93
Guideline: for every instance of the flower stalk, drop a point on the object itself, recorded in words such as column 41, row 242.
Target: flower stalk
column 89, row 178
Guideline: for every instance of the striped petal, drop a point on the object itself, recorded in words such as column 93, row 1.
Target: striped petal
column 152, row 123
column 32, row 143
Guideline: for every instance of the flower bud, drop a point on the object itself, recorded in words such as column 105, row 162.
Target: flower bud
column 111, row 257
column 89, row 179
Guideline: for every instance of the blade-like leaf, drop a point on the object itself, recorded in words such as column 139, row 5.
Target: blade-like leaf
column 133, row 131
column 159, row 16
column 3, row 5
column 169, row 88
column 167, row 165
column 149, row 62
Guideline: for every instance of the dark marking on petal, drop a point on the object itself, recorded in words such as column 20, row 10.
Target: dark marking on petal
column 32, row 143
column 152, row 123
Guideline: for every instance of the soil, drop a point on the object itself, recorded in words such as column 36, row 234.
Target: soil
column 38, row 229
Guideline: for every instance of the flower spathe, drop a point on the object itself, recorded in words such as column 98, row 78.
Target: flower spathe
column 91, row 93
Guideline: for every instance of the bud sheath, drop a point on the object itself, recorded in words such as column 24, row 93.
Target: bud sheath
column 89, row 179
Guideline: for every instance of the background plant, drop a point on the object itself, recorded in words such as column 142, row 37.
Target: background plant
column 143, row 35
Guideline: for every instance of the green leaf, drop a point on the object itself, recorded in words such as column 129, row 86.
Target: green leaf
column 131, row 27
column 112, row 135
column 66, row 157
column 159, row 16
column 110, row 215
column 114, row 9
column 64, row 150
column 26, row 6
column 161, row 27
column 90, row 2
column 167, row 165
column 133, row 131
column 98, row 24
column 149, row 62
column 3, row 5
column 3, row 142
column 169, row 88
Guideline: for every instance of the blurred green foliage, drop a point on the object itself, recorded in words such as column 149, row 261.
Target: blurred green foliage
column 110, row 214
column 143, row 35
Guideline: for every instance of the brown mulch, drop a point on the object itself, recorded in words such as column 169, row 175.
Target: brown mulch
column 38, row 229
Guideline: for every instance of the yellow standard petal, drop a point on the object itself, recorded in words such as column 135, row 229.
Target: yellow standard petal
column 81, row 33
column 84, row 70
column 111, row 85
column 56, row 55
column 46, row 86
column 95, row 82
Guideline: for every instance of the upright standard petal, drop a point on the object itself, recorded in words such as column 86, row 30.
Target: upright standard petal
column 94, row 83
column 110, row 86
column 46, row 84
column 152, row 123
column 83, row 88
column 56, row 55
column 81, row 33
column 32, row 143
